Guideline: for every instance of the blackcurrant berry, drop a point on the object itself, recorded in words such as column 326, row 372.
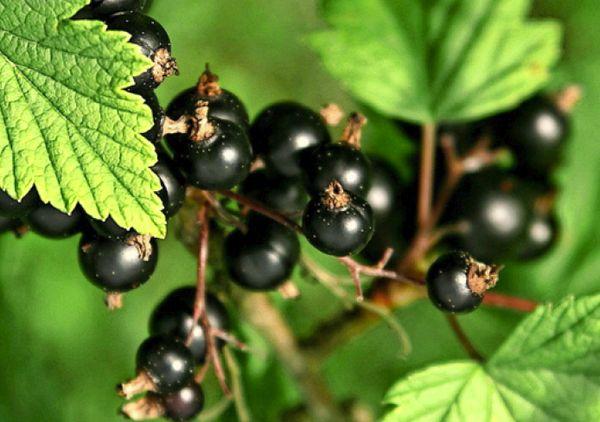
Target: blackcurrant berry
column 540, row 238
column 7, row 224
column 264, row 257
column 117, row 265
column 109, row 229
column 384, row 194
column 167, row 362
column 284, row 194
column 497, row 210
column 13, row 208
column 457, row 283
column 154, row 43
column 172, row 181
column 154, row 135
column 100, row 9
column 337, row 222
column 536, row 131
column 222, row 104
column 336, row 162
column 174, row 316
column 282, row 131
column 50, row 222
column 220, row 161
column 184, row 404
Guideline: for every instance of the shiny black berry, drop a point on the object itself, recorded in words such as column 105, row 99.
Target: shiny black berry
column 497, row 210
column 384, row 193
column 264, row 257
column 172, row 182
column 337, row 222
column 174, row 316
column 167, row 362
column 117, row 265
column 12, row 208
column 282, row 131
column 541, row 236
column 101, row 9
column 222, row 104
column 109, row 229
column 536, row 131
column 154, row 43
column 184, row 404
column 8, row 224
column 217, row 162
column 50, row 222
column 456, row 282
column 336, row 162
column 154, row 135
column 284, row 194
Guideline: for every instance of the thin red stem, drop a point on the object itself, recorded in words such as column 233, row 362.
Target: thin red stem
column 200, row 314
column 500, row 300
column 426, row 174
column 463, row 338
column 262, row 209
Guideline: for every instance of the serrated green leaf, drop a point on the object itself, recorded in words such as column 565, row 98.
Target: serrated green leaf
column 66, row 125
column 548, row 369
column 441, row 60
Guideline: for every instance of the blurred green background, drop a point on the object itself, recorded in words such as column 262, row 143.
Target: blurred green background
column 62, row 353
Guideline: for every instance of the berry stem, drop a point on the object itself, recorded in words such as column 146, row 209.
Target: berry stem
column 463, row 339
column 426, row 174
column 241, row 406
column 332, row 114
column 200, row 313
column 500, row 300
column 262, row 209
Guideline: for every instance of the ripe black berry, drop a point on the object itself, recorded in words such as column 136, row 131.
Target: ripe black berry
column 50, row 222
column 167, row 362
column 7, row 224
column 536, row 133
column 540, row 238
column 174, row 316
column 154, row 43
column 109, row 229
column 184, row 404
column 338, row 222
column 497, row 211
column 172, row 181
column 457, row 283
column 336, row 162
column 12, row 208
column 264, row 257
column 384, row 194
column 222, row 104
column 219, row 161
column 100, row 9
column 117, row 265
column 154, row 135
column 284, row 194
column 282, row 131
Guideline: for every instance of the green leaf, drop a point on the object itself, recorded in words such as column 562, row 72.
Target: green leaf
column 425, row 61
column 66, row 125
column 549, row 369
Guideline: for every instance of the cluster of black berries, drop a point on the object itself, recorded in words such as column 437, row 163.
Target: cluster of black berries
column 166, row 361
column 505, row 213
column 113, row 258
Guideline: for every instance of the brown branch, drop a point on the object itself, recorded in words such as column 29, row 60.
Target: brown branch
column 200, row 314
column 262, row 209
column 426, row 174
column 463, row 339
column 499, row 300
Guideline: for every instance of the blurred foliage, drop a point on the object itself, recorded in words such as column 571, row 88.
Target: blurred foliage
column 62, row 352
